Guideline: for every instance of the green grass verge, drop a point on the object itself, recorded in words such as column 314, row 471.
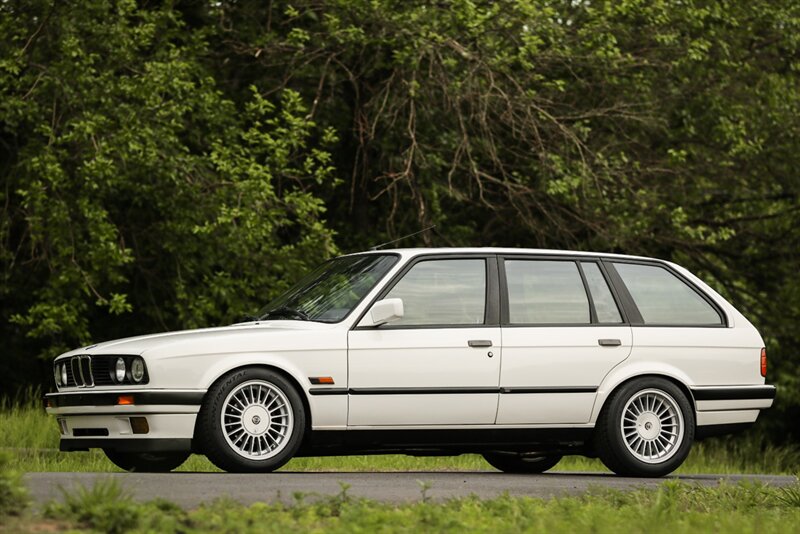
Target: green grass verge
column 33, row 437
column 672, row 508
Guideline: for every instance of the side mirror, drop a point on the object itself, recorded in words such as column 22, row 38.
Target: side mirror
column 385, row 311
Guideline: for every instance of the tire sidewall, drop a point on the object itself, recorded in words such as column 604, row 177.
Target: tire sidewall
column 217, row 447
column 629, row 463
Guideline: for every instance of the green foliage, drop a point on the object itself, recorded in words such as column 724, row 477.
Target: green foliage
column 673, row 507
column 169, row 166
column 13, row 496
column 137, row 196
column 103, row 507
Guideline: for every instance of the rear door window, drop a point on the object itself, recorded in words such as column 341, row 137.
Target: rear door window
column 604, row 304
column 546, row 292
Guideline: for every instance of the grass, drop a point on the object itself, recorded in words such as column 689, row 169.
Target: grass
column 33, row 437
column 674, row 507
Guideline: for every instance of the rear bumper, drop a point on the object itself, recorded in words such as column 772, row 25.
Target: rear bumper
column 723, row 410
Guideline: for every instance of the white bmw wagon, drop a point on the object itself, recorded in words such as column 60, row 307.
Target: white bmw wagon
column 523, row 356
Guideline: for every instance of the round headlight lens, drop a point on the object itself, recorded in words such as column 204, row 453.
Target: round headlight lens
column 57, row 373
column 63, row 374
column 137, row 370
column 119, row 370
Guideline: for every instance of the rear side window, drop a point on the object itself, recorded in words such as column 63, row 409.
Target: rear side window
column 546, row 292
column 663, row 298
column 604, row 305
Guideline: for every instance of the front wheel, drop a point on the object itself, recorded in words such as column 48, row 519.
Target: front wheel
column 518, row 463
column 147, row 462
column 252, row 420
column 646, row 430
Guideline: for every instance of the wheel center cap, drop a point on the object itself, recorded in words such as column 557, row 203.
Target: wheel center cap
column 648, row 426
column 255, row 419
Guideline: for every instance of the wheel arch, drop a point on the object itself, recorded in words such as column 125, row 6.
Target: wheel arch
column 603, row 403
column 283, row 373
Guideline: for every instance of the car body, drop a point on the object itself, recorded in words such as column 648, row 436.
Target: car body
column 521, row 355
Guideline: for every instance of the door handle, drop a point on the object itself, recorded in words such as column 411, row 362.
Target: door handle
column 478, row 343
column 609, row 342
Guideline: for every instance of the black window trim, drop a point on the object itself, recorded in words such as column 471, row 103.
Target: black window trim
column 491, row 312
column 636, row 316
column 505, row 321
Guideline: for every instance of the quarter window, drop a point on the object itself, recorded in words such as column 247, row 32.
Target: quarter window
column 546, row 292
column 663, row 298
column 443, row 292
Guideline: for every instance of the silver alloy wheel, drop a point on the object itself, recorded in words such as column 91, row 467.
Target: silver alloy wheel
column 257, row 420
column 652, row 426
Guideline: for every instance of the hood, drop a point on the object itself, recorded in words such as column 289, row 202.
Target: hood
column 140, row 344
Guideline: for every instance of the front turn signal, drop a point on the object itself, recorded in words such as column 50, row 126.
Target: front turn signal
column 764, row 362
column 125, row 400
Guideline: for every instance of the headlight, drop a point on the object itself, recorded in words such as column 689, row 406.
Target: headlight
column 57, row 374
column 119, row 370
column 137, row 370
column 64, row 374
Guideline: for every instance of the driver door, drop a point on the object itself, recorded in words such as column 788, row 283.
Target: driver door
column 440, row 363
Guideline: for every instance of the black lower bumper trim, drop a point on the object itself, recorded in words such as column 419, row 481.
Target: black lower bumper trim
column 128, row 445
column 140, row 398
column 735, row 393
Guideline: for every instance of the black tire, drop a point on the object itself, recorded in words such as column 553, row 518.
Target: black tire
column 224, row 454
column 516, row 463
column 147, row 462
column 610, row 442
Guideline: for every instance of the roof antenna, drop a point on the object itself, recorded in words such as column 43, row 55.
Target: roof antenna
column 376, row 247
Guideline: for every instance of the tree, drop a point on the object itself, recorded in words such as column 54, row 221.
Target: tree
column 136, row 196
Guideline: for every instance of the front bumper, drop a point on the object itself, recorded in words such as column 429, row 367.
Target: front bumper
column 149, row 421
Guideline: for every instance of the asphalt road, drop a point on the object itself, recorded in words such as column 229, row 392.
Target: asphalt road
column 191, row 489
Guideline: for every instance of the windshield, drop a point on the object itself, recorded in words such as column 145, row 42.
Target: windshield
column 329, row 292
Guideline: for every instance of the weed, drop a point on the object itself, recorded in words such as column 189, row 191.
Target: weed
column 790, row 496
column 13, row 496
column 104, row 506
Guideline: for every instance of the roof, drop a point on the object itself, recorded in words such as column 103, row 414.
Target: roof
column 411, row 252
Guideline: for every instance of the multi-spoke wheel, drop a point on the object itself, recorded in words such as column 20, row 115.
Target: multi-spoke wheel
column 652, row 426
column 251, row 420
column 646, row 428
column 256, row 420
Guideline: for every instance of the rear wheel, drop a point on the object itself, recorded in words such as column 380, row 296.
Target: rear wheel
column 518, row 463
column 647, row 429
column 147, row 462
column 251, row 421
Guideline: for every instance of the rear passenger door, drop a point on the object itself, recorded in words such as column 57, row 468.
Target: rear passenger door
column 563, row 331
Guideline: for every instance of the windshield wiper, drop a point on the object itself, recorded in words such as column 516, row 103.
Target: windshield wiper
column 287, row 312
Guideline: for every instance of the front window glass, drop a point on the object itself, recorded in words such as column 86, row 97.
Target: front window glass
column 330, row 291
column 662, row 298
column 546, row 292
column 442, row 292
